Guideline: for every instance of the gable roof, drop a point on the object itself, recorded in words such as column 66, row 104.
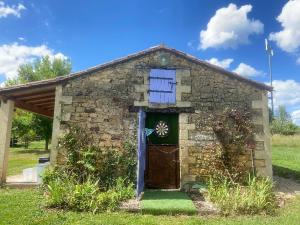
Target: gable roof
column 62, row 79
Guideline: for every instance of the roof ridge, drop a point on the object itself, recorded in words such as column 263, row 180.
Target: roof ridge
column 135, row 55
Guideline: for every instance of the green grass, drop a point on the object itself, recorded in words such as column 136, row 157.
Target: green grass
column 167, row 202
column 26, row 207
column 286, row 156
column 20, row 158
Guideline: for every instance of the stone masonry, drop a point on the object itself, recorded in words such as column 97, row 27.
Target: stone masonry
column 100, row 103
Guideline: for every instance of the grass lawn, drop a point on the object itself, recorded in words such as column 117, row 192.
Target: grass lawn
column 20, row 158
column 167, row 202
column 26, row 207
column 286, row 156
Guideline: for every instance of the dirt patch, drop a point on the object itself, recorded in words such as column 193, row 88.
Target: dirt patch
column 131, row 205
column 204, row 207
column 285, row 189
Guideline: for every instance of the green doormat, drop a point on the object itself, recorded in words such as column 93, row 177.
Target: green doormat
column 167, row 202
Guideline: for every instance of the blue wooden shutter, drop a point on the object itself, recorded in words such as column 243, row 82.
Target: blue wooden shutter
column 162, row 86
column 141, row 153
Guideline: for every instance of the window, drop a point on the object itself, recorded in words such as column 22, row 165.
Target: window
column 162, row 86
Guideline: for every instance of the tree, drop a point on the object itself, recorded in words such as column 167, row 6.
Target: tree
column 22, row 128
column 43, row 126
column 282, row 123
column 40, row 69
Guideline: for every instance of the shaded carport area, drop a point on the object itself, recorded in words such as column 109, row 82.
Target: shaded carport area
column 36, row 97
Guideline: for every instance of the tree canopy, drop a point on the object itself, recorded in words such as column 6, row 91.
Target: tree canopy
column 282, row 123
column 27, row 126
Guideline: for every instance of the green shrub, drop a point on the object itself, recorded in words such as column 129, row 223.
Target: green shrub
column 63, row 191
column 282, row 123
column 81, row 196
column 56, row 194
column 92, row 178
column 283, row 127
column 255, row 198
column 85, row 159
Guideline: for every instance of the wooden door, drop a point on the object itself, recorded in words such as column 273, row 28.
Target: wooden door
column 162, row 166
column 162, row 158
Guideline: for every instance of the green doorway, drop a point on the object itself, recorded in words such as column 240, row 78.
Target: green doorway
column 162, row 153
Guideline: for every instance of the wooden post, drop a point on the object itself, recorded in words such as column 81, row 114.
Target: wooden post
column 6, row 115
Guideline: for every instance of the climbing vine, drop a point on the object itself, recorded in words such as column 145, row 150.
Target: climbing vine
column 231, row 156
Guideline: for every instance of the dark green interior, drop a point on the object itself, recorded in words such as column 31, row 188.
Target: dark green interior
column 171, row 119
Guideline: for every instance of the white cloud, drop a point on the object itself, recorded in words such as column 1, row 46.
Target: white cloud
column 298, row 60
column 15, row 10
column 225, row 63
column 247, row 71
column 286, row 92
column 229, row 27
column 14, row 55
column 296, row 116
column 288, row 39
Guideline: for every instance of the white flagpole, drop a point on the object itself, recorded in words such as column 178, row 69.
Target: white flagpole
column 270, row 54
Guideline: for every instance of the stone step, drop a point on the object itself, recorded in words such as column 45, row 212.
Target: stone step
column 21, row 185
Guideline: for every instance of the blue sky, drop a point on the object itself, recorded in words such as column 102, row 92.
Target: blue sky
column 228, row 33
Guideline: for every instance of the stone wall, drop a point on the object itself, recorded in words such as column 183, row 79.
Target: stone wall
column 100, row 103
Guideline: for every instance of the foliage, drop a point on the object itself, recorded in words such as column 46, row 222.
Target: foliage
column 65, row 192
column 43, row 127
column 40, row 69
column 85, row 159
column 255, row 198
column 91, row 178
column 234, row 131
column 282, row 123
column 22, row 128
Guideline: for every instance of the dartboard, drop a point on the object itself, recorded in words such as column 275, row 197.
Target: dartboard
column 161, row 129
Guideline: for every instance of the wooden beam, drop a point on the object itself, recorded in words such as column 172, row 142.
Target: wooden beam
column 49, row 106
column 43, row 103
column 41, row 100
column 36, row 96
column 32, row 108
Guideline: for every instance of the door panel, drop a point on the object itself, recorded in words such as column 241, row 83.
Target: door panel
column 162, row 159
column 162, row 166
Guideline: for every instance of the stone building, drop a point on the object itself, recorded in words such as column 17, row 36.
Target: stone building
column 165, row 92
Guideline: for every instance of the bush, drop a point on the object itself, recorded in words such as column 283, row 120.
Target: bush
column 283, row 127
column 85, row 159
column 65, row 192
column 92, row 178
column 282, row 123
column 255, row 198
